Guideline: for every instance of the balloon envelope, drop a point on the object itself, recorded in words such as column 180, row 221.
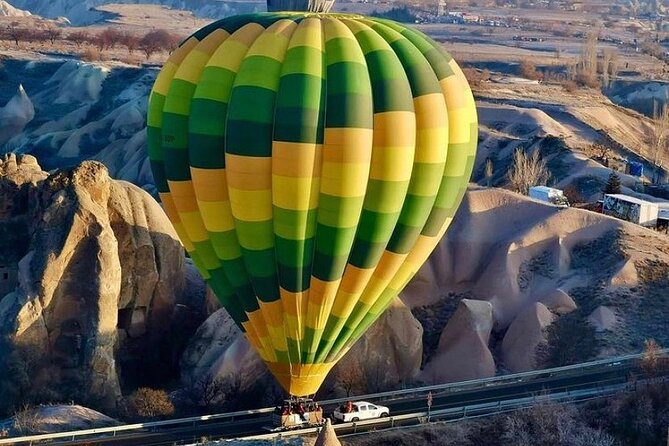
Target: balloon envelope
column 310, row 163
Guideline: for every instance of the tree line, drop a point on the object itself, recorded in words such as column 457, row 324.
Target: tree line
column 152, row 42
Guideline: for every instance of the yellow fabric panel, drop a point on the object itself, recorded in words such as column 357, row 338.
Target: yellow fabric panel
column 300, row 379
column 308, row 33
column 322, row 291
column 231, row 53
column 321, row 298
column 395, row 128
column 347, row 145
column 164, row 79
column 292, row 302
column 292, row 327
column 194, row 226
column 434, row 137
column 388, row 265
column 195, row 61
column 460, row 130
column 355, row 26
column 258, row 321
column 277, row 338
column 248, row 172
column 457, row 95
column 344, row 179
column 251, row 205
column 392, row 163
column 355, row 279
column 343, row 304
column 431, row 112
column 210, row 184
column 295, row 159
column 217, row 215
column 298, row 194
column 268, row 43
column 183, row 195
column 272, row 312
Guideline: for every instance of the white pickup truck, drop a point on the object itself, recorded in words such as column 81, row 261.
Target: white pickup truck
column 360, row 410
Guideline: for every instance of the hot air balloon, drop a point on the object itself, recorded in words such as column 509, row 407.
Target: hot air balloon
column 310, row 162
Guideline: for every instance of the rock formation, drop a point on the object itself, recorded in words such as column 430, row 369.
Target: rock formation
column 97, row 283
column 558, row 302
column 463, row 351
column 327, row 436
column 525, row 334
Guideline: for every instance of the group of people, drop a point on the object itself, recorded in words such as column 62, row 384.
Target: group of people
column 300, row 408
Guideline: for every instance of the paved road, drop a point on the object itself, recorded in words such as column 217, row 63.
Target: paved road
column 614, row 373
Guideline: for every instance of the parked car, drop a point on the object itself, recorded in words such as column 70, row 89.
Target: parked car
column 359, row 410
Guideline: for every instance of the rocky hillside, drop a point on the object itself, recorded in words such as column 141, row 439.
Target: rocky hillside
column 81, row 12
column 7, row 10
column 96, row 288
column 514, row 285
column 64, row 112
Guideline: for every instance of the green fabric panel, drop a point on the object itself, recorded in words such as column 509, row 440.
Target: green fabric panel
column 176, row 164
column 175, row 132
column 299, row 59
column 366, row 254
column 341, row 50
column 215, row 84
column 258, row 71
column 385, row 196
column 298, row 125
column 426, row 178
column 416, row 210
column 207, row 254
column 154, row 116
column 259, row 263
column 225, row 244
column 341, row 212
column 292, row 224
column 390, row 86
column 178, row 98
column 207, row 117
column 349, row 111
column 404, row 238
column 334, row 241
column 255, row 235
column 206, row 151
column 293, row 253
column 328, row 267
column 159, row 178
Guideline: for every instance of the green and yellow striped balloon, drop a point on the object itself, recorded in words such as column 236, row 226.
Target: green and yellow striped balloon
column 310, row 163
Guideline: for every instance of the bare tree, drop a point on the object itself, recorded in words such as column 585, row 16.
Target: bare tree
column 110, row 38
column 17, row 33
column 130, row 41
column 350, row 377
column 52, row 34
column 527, row 171
column 155, row 41
column 489, row 172
column 659, row 137
column 78, row 38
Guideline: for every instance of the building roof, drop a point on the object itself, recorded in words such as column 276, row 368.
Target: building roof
column 630, row 199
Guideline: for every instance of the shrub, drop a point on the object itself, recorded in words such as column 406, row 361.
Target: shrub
column 149, row 403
